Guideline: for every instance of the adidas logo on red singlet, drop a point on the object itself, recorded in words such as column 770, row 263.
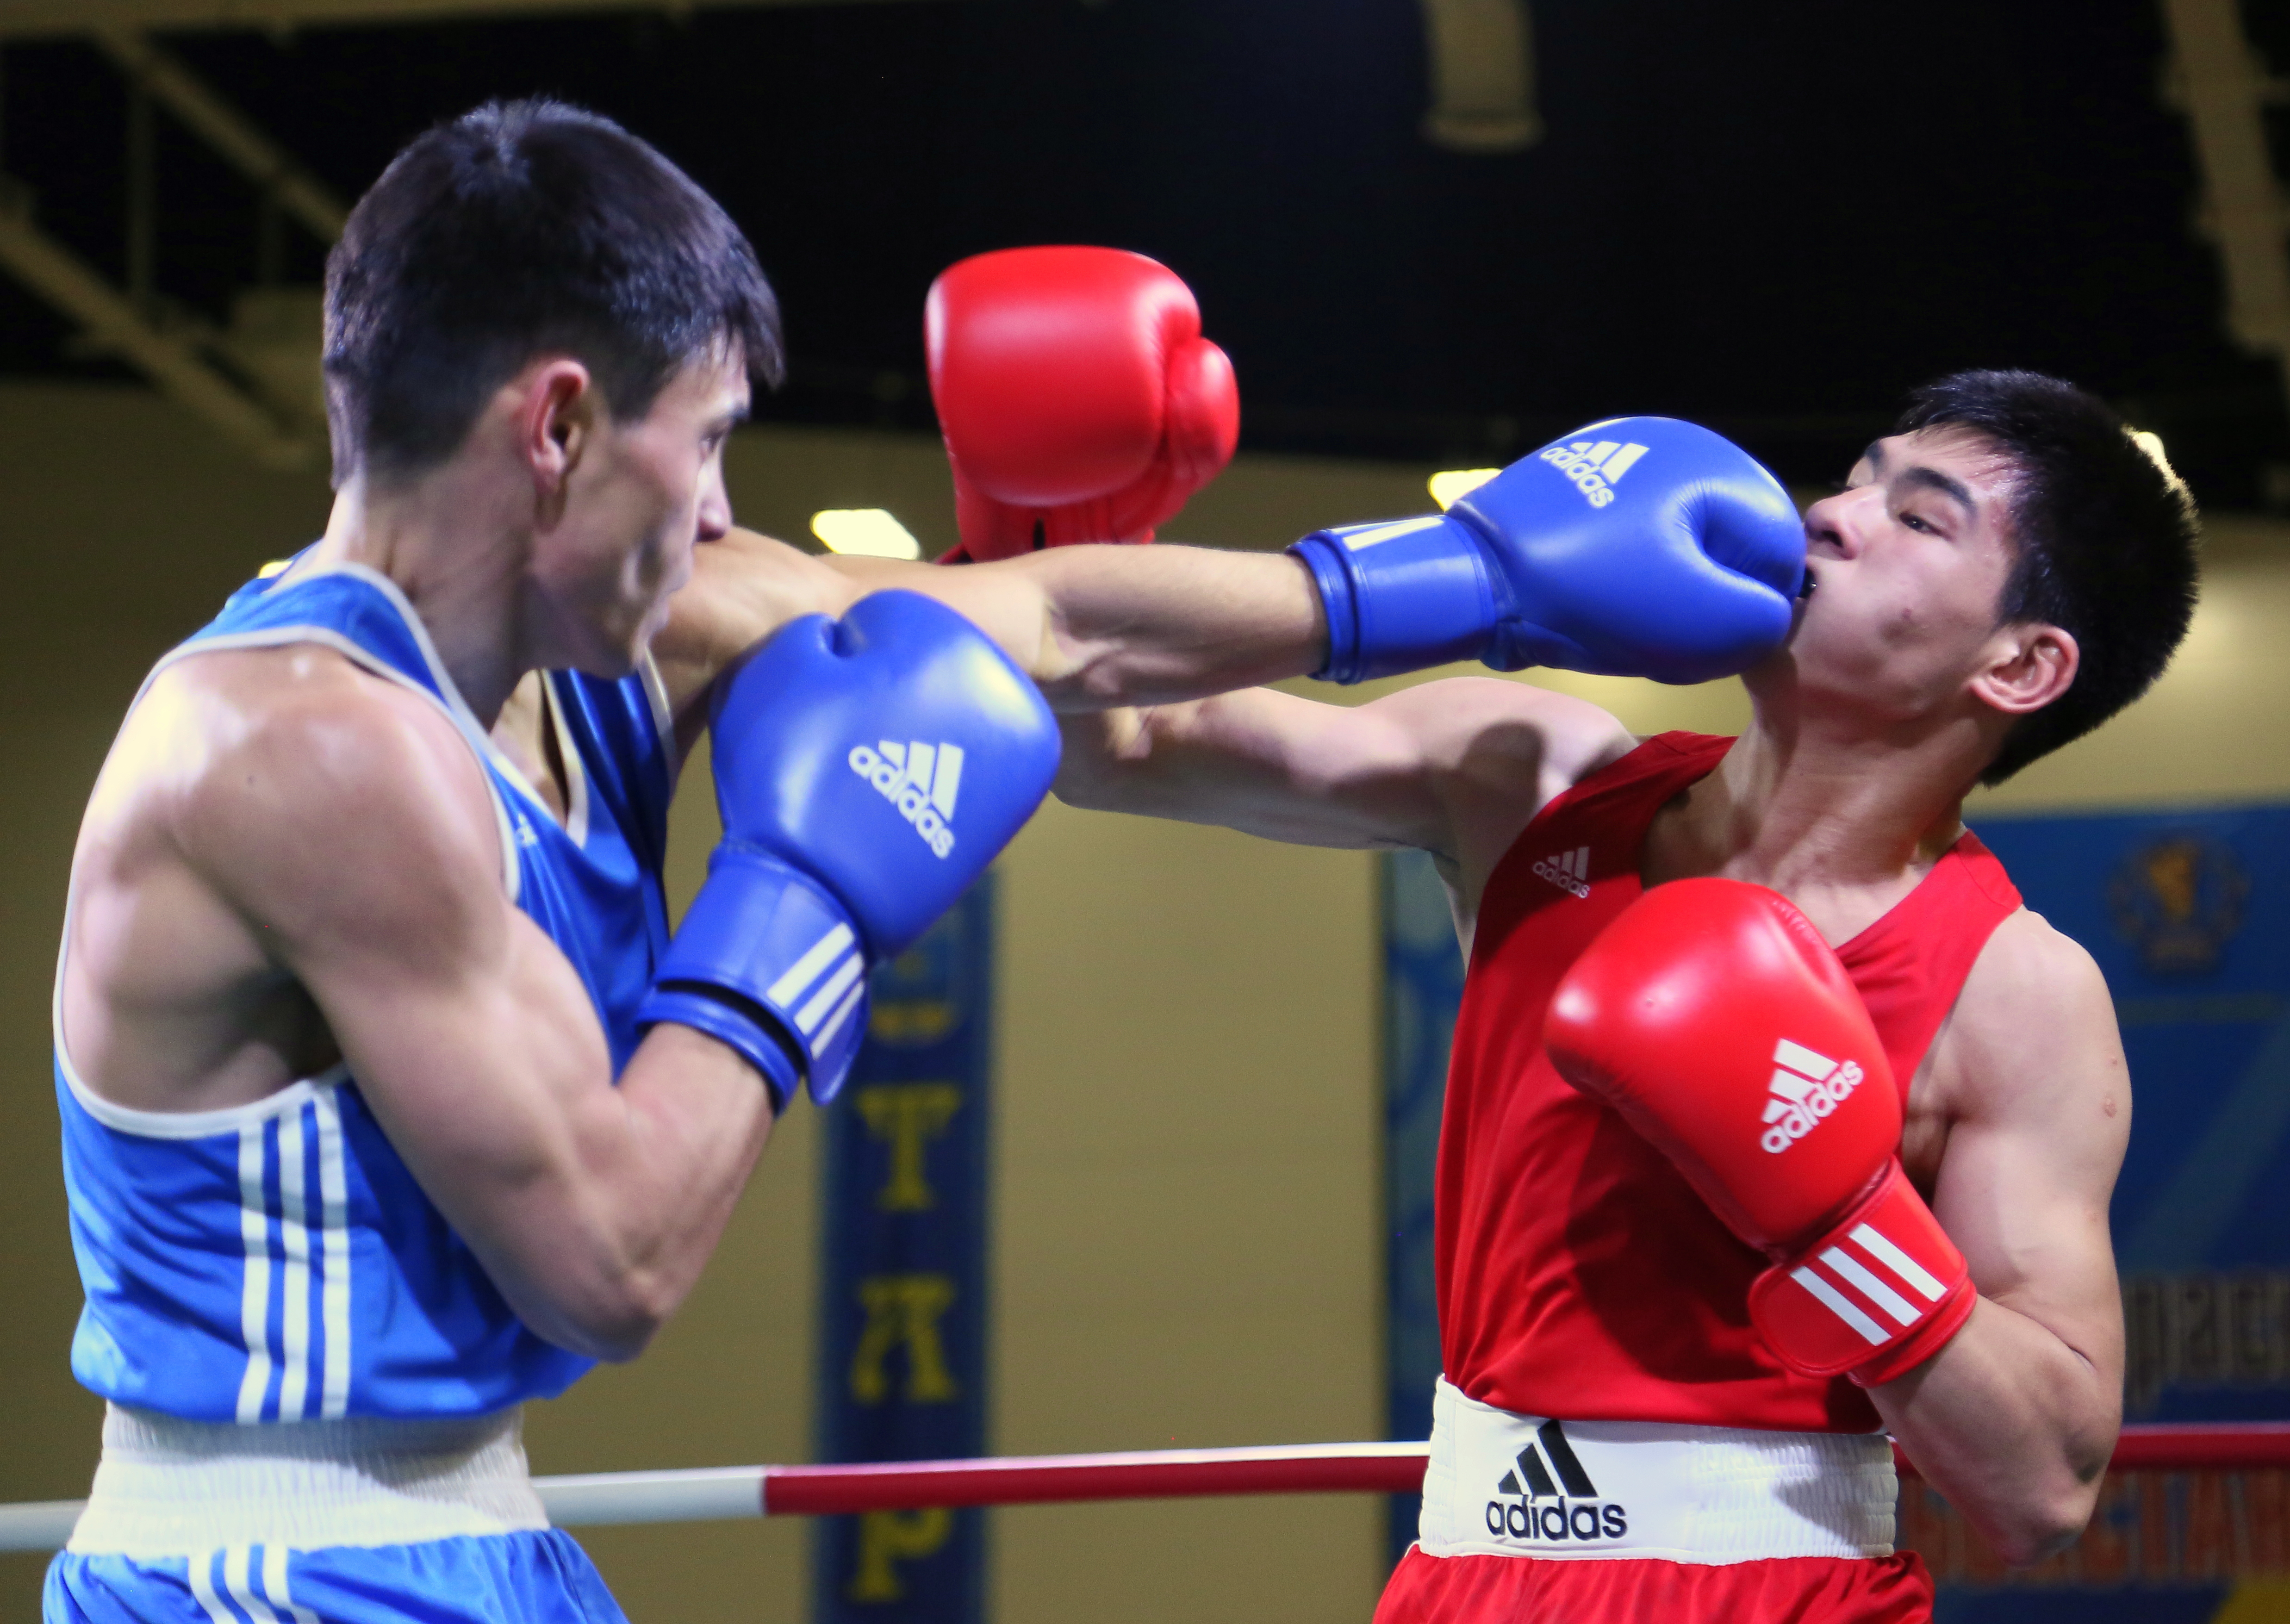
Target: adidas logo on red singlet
column 1806, row 1087
column 1570, row 871
column 1555, row 1499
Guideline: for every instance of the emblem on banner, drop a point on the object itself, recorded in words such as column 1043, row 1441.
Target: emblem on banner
column 2179, row 900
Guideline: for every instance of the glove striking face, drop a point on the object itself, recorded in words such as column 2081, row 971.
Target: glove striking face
column 1635, row 547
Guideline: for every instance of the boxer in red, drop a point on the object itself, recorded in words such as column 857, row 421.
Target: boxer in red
column 1671, row 1357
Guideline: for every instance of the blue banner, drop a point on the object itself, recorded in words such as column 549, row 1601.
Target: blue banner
column 2184, row 912
column 903, row 1368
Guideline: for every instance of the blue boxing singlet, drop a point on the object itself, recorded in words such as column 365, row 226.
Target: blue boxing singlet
column 277, row 1262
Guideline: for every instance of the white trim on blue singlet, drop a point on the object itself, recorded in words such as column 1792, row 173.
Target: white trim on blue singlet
column 334, row 1217
column 192, row 1124
column 307, row 1312
column 254, row 1278
column 294, row 1284
column 568, row 751
column 455, row 711
column 663, row 719
column 202, row 1125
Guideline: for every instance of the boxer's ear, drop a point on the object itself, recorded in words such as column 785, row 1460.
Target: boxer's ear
column 558, row 415
column 2028, row 665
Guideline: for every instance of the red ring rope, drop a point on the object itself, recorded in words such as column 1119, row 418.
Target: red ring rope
column 1338, row 1469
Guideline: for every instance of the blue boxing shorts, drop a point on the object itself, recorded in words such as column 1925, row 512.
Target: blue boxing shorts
column 348, row 1522
column 531, row 1577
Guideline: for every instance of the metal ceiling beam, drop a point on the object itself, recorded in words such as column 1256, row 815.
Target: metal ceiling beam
column 224, row 128
column 205, row 371
column 2222, row 87
column 113, row 323
column 27, row 19
column 229, row 378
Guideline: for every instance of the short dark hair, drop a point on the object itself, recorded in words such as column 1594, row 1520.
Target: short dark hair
column 520, row 229
column 2106, row 536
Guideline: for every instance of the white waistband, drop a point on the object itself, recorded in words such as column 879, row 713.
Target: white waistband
column 169, row 1487
column 1522, row 1486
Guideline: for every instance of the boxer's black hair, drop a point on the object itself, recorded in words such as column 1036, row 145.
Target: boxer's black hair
column 2106, row 536
column 520, row 229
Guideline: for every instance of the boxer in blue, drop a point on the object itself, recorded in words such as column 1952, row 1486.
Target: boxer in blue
column 388, row 1103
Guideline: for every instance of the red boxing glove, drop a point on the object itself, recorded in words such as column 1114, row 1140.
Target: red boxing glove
column 1078, row 400
column 1715, row 1018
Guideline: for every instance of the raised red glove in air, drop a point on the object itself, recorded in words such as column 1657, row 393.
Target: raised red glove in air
column 1715, row 1018
column 1078, row 400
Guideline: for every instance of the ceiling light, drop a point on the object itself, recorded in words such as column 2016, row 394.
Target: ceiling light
column 1451, row 487
column 869, row 531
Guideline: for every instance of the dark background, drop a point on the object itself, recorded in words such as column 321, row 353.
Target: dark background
column 1772, row 217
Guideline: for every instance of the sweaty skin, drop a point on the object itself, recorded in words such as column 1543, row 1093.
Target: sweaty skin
column 288, row 861
column 1895, row 689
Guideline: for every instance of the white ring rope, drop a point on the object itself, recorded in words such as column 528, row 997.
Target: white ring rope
column 712, row 1494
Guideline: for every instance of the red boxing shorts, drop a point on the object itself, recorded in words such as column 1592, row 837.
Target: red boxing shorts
column 1782, row 1590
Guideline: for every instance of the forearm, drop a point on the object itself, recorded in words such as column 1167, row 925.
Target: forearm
column 593, row 1206
column 1266, row 763
column 1098, row 627
column 1133, row 760
column 695, row 1117
column 2013, row 1425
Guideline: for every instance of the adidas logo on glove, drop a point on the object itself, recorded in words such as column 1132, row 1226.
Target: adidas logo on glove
column 920, row 780
column 1557, row 1500
column 1806, row 1087
column 1596, row 466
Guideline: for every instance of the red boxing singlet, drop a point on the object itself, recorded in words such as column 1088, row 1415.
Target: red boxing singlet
column 1579, row 1275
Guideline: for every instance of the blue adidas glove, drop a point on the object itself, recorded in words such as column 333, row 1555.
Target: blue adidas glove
column 868, row 769
column 1638, row 546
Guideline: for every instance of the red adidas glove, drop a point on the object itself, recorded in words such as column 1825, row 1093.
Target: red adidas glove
column 1078, row 400
column 1715, row 1018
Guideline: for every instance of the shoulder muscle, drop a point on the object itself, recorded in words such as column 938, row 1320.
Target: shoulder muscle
column 341, row 815
column 2033, row 1033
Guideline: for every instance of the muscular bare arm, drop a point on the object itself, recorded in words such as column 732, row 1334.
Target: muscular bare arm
column 2026, row 1113
column 1455, row 768
column 1093, row 626
column 349, row 828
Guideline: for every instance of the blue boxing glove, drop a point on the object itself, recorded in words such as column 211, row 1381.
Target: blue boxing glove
column 1638, row 546
column 868, row 769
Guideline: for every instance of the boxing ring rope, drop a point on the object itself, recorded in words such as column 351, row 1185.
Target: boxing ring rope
column 711, row 1493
